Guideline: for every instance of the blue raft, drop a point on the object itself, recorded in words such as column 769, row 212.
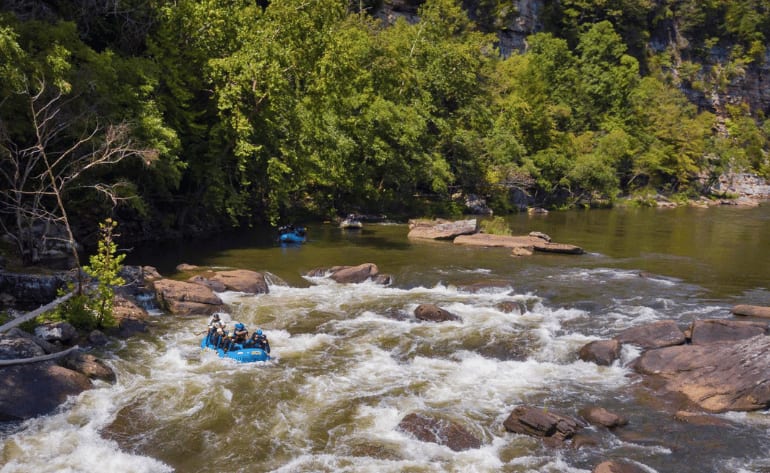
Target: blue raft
column 237, row 352
column 296, row 235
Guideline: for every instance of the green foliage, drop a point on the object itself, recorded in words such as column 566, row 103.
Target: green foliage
column 105, row 266
column 495, row 226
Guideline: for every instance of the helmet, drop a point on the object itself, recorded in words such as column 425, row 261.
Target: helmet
column 259, row 332
column 216, row 316
column 239, row 326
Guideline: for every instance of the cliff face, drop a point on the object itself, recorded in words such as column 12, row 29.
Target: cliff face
column 749, row 85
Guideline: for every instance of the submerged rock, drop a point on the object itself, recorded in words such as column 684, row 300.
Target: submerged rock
column 434, row 313
column 440, row 431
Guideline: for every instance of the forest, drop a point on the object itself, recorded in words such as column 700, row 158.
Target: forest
column 176, row 117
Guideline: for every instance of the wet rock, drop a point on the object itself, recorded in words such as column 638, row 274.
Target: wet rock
column 242, row 280
column 216, row 286
column 352, row 274
column 487, row 286
column 89, row 365
column 659, row 334
column 536, row 422
column 698, row 418
column 355, row 274
column 718, row 330
column 434, row 313
column 618, row 466
column 440, row 431
column 186, row 267
column 509, row 307
column 35, row 389
column 526, row 242
column 184, row 298
column 522, row 251
column 751, row 311
column 603, row 417
column 718, row 377
column 56, row 332
column 441, row 229
column 601, row 352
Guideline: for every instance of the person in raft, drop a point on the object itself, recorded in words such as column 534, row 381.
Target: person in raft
column 259, row 340
column 239, row 336
column 216, row 330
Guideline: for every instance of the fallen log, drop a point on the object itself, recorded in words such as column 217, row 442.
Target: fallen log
column 35, row 359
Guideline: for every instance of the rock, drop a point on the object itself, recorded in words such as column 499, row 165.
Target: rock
column 751, row 311
column 130, row 318
column 29, row 291
column 186, row 267
column 440, row 431
column 618, row 466
column 718, row 377
column 698, row 418
column 89, row 365
column 601, row 352
column 216, row 286
column 355, row 274
column 97, row 338
column 352, row 274
column 526, row 243
column 242, row 280
column 536, row 422
column 603, row 417
column 718, row 330
column 13, row 347
column 540, row 235
column 512, row 306
column 434, row 313
column 663, row 333
column 46, row 346
column 61, row 332
column 184, row 298
column 35, row 389
column 522, row 251
column 441, row 229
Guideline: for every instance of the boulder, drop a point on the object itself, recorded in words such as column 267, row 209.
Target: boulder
column 35, row 389
column 718, row 377
column 242, row 280
column 659, row 334
column 130, row 318
column 89, row 365
column 56, row 332
column 536, row 422
column 355, row 274
column 441, row 229
column 13, row 347
column 751, row 311
column 352, row 274
column 618, row 466
column 719, row 330
column 601, row 352
column 440, row 431
column 184, row 298
column 603, row 417
column 521, row 244
column 216, row 286
column 434, row 313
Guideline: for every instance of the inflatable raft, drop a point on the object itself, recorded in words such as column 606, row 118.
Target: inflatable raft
column 237, row 352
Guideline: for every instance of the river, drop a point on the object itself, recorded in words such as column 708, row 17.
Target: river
column 350, row 361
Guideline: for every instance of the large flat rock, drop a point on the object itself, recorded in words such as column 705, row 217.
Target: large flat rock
column 516, row 242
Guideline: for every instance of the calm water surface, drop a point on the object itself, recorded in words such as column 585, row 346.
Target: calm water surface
column 351, row 360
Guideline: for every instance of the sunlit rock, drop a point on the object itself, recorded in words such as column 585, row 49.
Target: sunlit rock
column 719, row 330
column 662, row 333
column 718, row 377
column 537, row 422
column 601, row 352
